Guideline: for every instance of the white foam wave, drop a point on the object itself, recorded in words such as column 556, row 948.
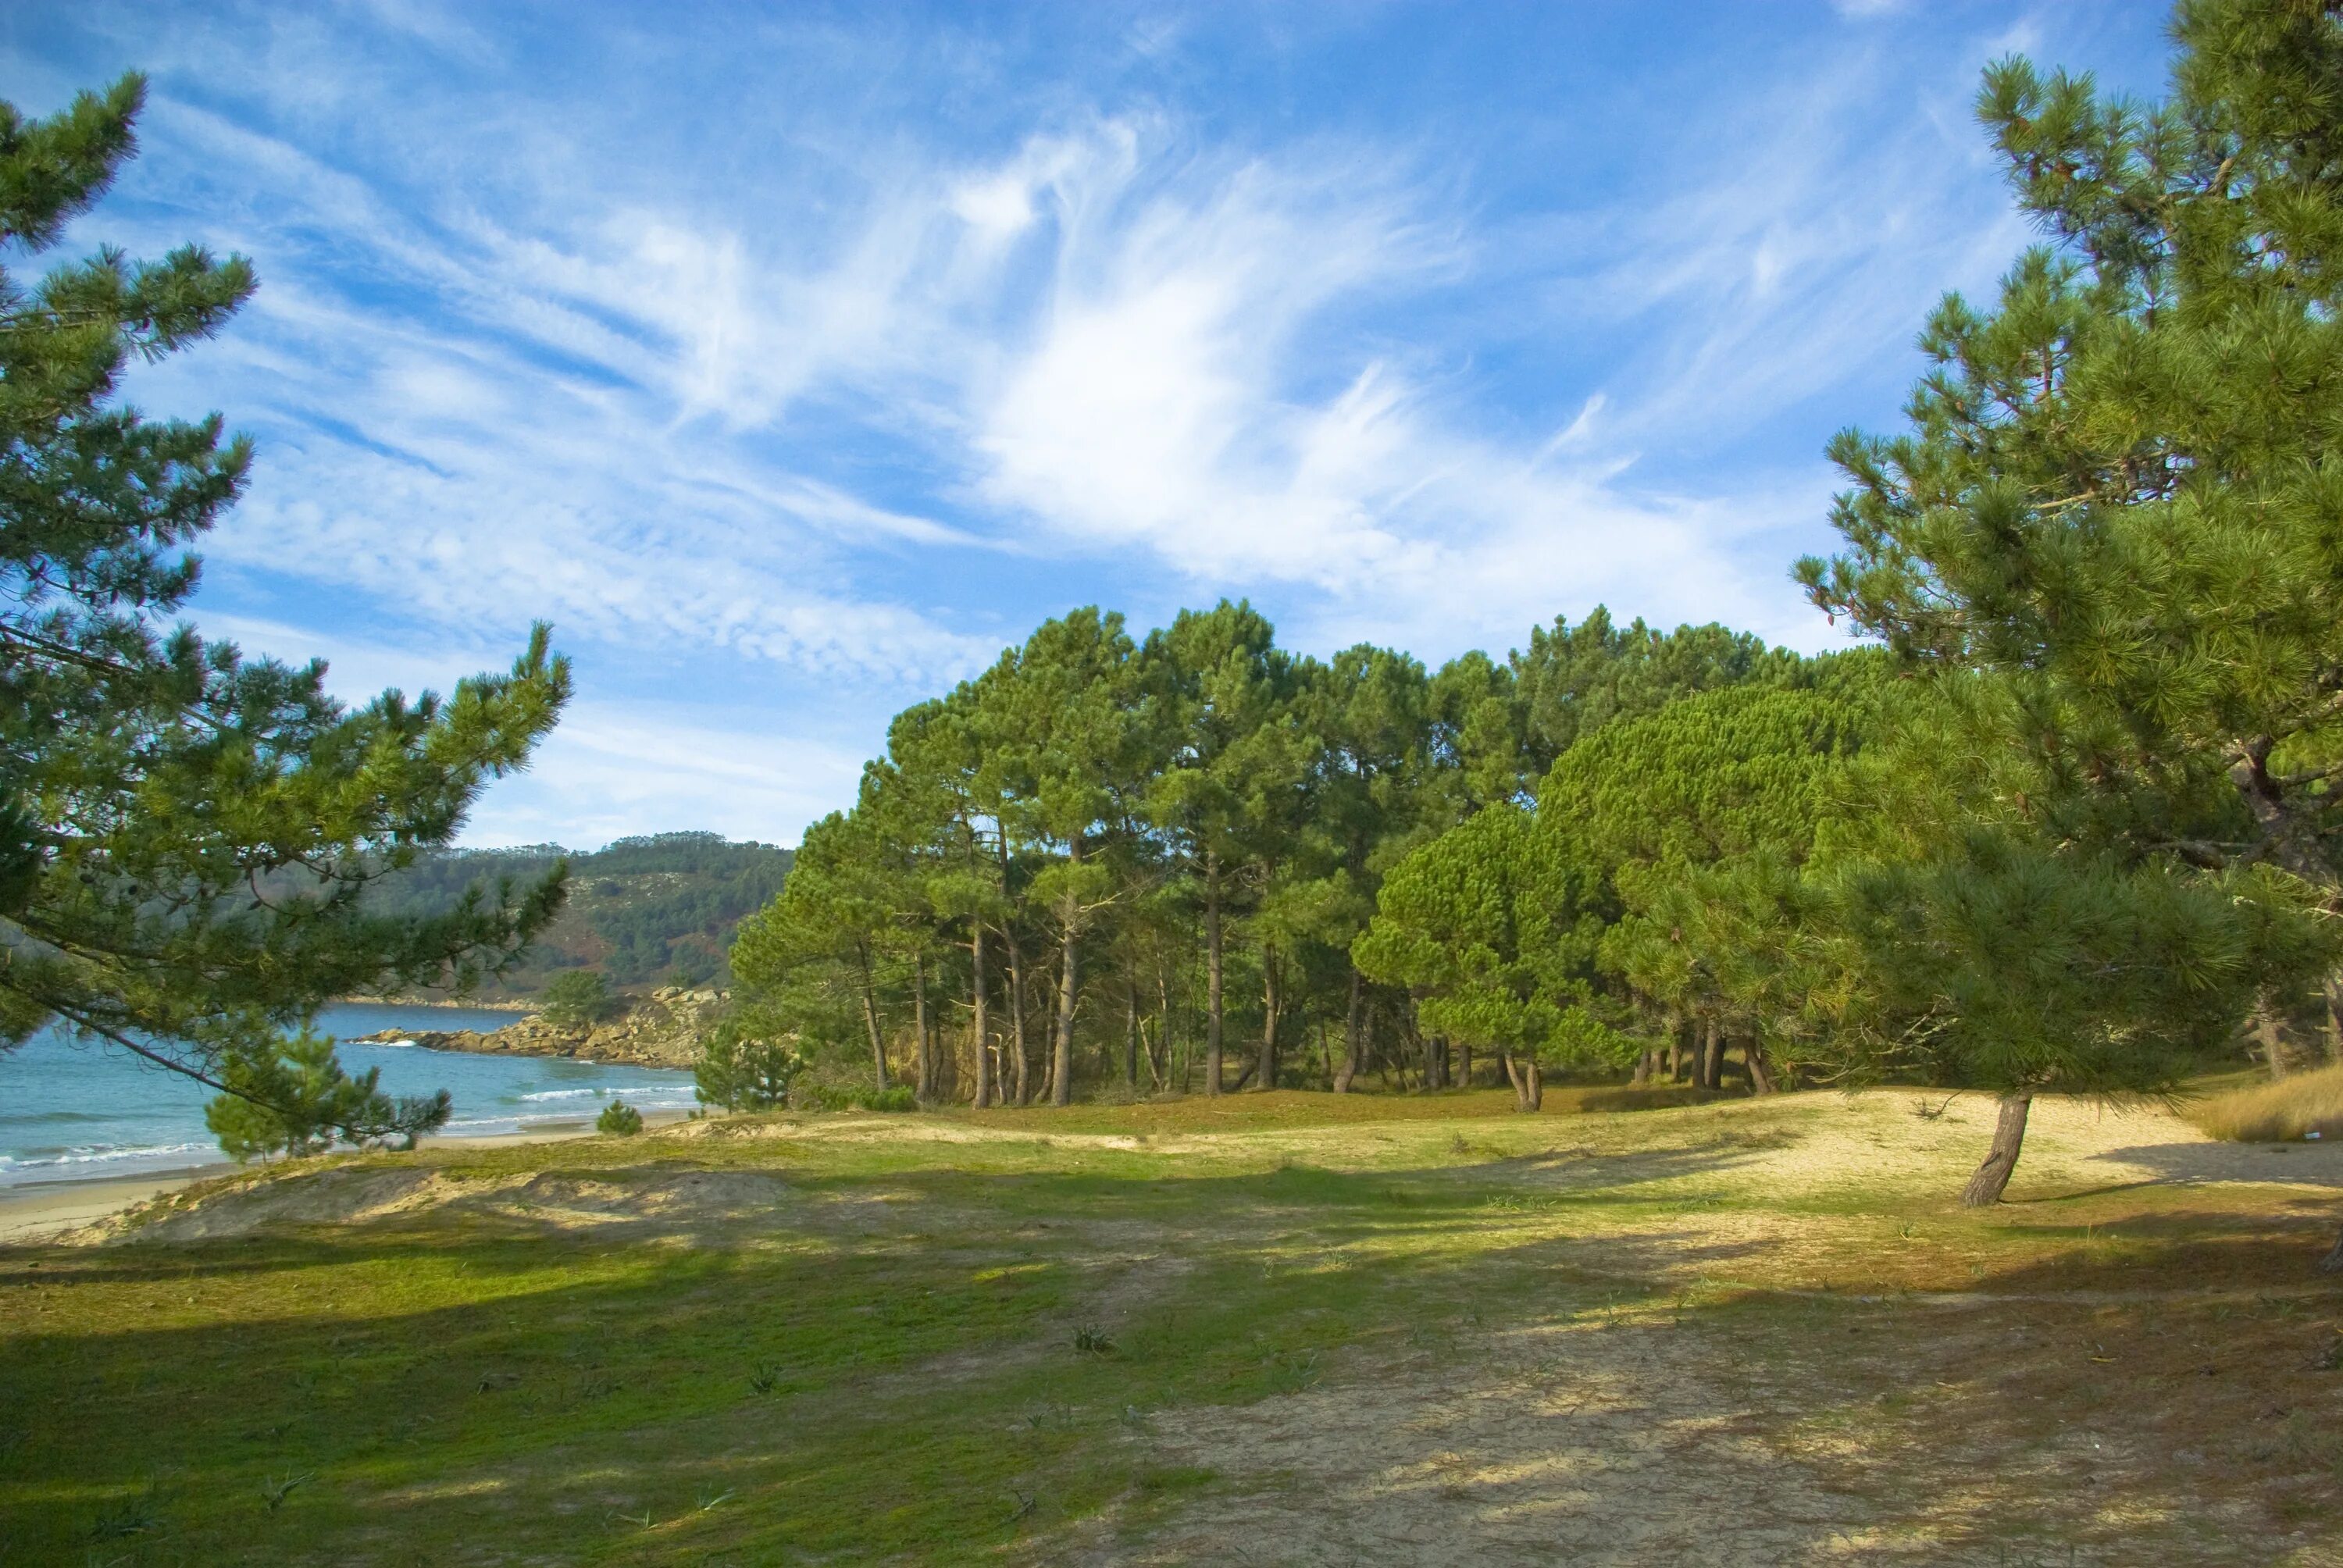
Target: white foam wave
column 12, row 1165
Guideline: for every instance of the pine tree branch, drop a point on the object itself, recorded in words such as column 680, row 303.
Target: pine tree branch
column 83, row 1021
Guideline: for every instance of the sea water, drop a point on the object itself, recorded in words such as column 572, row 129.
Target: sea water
column 72, row 1113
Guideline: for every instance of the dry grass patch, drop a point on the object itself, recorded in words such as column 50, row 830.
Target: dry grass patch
column 2285, row 1110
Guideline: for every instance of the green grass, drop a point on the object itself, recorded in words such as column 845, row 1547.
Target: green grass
column 946, row 1350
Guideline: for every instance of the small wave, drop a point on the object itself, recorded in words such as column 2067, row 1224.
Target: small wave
column 563, row 1093
column 101, row 1156
column 481, row 1128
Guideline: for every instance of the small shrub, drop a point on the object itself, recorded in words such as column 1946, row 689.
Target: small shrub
column 578, row 998
column 137, row 1514
column 619, row 1117
column 831, row 1097
column 741, row 1072
column 274, row 1491
column 2283, row 1111
column 1093, row 1341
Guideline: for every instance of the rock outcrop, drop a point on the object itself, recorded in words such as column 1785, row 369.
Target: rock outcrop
column 661, row 1030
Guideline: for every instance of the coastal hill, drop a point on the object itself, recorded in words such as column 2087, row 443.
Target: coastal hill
column 651, row 912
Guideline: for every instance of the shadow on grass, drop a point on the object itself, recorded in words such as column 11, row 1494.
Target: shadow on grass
column 741, row 1391
column 2160, row 1388
column 2301, row 1164
column 478, row 1378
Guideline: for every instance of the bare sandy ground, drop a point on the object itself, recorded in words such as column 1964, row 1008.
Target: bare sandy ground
column 39, row 1211
column 44, row 1211
column 1872, row 1144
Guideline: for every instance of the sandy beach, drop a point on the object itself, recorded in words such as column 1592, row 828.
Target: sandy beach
column 33, row 1212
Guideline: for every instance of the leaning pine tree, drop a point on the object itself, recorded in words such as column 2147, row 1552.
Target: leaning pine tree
column 2115, row 535
column 185, row 835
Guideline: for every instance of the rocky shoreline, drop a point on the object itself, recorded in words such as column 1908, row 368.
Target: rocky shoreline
column 662, row 1029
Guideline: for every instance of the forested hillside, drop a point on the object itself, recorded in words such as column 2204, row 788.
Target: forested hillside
column 644, row 911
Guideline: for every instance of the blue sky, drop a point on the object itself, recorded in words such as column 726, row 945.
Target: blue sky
column 794, row 359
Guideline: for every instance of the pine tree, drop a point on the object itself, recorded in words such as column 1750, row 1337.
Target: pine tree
column 298, row 1101
column 2112, row 533
column 745, row 1065
column 1700, row 819
column 185, row 833
column 1226, row 691
column 1490, row 926
column 578, row 999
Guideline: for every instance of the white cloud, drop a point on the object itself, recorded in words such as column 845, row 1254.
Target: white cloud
column 611, row 771
column 1122, row 343
column 610, row 768
column 846, row 415
column 1167, row 402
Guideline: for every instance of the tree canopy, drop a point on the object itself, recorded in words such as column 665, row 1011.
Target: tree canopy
column 1159, row 843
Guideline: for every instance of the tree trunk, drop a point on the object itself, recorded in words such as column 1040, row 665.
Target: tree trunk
column 1061, row 1058
column 1712, row 1055
column 2334, row 994
column 1761, row 1074
column 927, row 1069
column 871, row 1019
column 1131, row 1035
column 1528, row 1081
column 1267, row 1066
column 1645, row 1064
column 1353, row 1036
column 1465, row 1066
column 1069, row 974
column 1984, row 1188
column 983, row 1095
column 1164, row 1035
column 2333, row 1262
column 1676, row 1053
column 1211, row 973
column 1019, row 1082
column 2266, row 1035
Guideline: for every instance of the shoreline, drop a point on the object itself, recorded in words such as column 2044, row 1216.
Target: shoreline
column 32, row 1212
column 453, row 1006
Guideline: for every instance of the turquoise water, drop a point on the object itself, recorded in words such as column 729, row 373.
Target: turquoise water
column 73, row 1112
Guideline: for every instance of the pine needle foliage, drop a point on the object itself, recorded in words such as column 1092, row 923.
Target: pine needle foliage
column 2111, row 539
column 185, row 833
column 2121, row 494
column 300, row 1101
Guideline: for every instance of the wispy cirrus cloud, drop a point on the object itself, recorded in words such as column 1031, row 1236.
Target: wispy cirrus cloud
column 791, row 364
